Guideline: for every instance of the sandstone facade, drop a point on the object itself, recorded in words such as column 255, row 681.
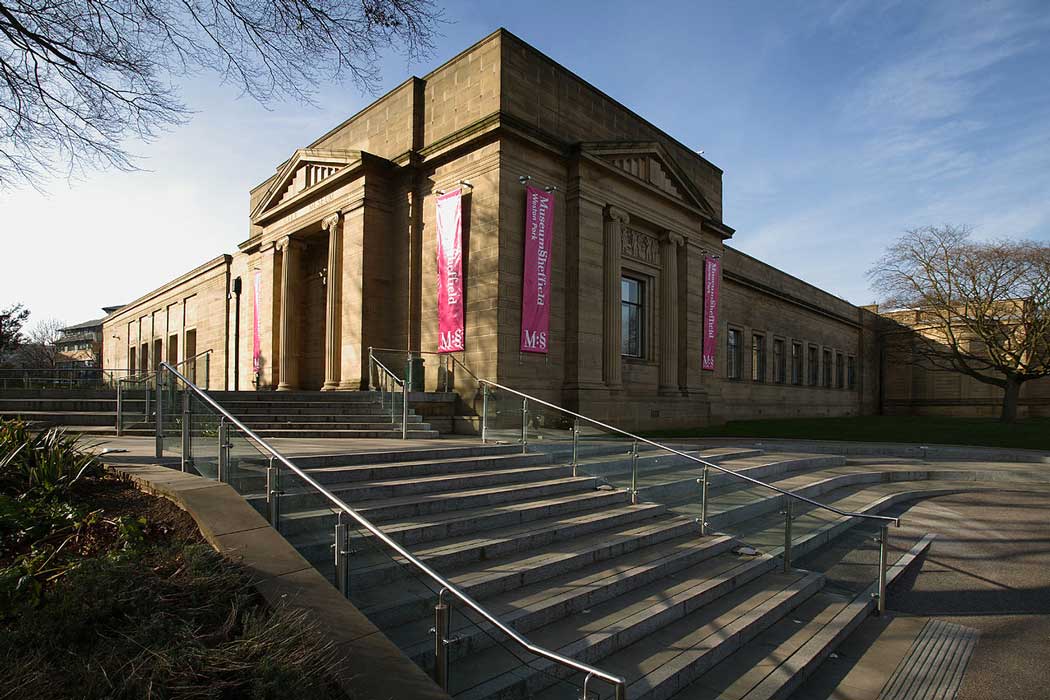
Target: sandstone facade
column 340, row 257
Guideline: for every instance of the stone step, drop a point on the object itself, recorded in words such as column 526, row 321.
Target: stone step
column 416, row 505
column 770, row 660
column 84, row 418
column 416, row 432
column 355, row 492
column 424, row 468
column 408, row 454
column 812, row 528
column 332, row 426
column 682, row 628
column 414, row 531
column 297, row 412
column 657, row 666
column 370, row 568
column 332, row 414
column 522, row 569
column 631, row 577
column 8, row 405
column 676, row 484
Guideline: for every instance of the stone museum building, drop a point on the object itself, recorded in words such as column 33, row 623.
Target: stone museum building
column 339, row 256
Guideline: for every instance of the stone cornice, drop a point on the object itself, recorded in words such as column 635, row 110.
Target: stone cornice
column 221, row 261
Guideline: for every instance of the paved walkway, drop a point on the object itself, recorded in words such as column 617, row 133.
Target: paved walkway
column 988, row 569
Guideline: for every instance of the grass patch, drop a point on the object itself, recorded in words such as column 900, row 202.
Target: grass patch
column 107, row 592
column 1033, row 433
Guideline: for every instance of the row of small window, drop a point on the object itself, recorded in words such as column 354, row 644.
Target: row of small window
column 819, row 367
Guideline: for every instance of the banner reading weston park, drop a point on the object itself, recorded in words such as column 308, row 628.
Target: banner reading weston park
column 712, row 279
column 451, row 331
column 535, row 297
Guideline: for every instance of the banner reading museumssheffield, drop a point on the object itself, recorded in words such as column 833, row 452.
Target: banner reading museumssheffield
column 535, row 297
column 712, row 279
column 451, row 333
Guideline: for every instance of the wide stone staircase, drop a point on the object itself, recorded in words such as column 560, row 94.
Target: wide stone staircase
column 298, row 414
column 563, row 555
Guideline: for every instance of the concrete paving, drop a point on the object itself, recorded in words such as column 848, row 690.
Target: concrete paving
column 989, row 569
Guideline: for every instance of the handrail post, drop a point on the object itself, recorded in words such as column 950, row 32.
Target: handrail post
column 442, row 629
column 703, row 501
column 207, row 368
column 404, row 411
column 484, row 413
column 788, row 517
column 371, row 369
column 342, row 556
column 634, row 472
column 120, row 407
column 159, row 432
column 524, row 425
column 273, row 495
column 621, row 691
column 575, row 445
column 881, row 603
column 187, row 458
column 224, row 455
column 145, row 416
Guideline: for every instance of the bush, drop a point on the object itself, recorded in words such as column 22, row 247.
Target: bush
column 171, row 622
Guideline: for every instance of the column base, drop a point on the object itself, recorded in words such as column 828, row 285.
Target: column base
column 331, row 386
column 669, row 391
column 284, row 387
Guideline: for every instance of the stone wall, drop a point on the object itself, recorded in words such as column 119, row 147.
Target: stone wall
column 193, row 302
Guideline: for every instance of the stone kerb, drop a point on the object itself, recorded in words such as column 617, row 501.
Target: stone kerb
column 373, row 666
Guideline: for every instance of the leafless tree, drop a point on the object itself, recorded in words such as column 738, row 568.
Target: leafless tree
column 980, row 308
column 80, row 77
column 41, row 346
column 11, row 321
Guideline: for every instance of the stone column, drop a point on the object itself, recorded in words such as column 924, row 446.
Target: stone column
column 333, row 305
column 612, row 369
column 669, row 312
column 289, row 359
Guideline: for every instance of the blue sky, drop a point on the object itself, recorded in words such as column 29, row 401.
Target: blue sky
column 838, row 126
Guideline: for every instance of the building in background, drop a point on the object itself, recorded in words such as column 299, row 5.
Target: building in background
column 81, row 345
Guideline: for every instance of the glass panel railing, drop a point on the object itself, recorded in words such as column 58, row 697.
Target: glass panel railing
column 62, row 378
column 403, row 598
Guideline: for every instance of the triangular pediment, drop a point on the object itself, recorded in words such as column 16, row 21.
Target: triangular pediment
column 307, row 168
column 649, row 163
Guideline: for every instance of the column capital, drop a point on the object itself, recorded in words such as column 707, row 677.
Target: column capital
column 285, row 242
column 615, row 214
column 331, row 221
column 672, row 238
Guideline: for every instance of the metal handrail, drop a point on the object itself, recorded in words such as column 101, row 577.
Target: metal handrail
column 619, row 683
column 151, row 373
column 758, row 482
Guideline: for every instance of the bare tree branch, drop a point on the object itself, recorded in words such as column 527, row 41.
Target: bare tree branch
column 78, row 78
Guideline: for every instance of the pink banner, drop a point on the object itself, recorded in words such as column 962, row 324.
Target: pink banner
column 712, row 279
column 535, row 293
column 256, row 344
column 451, row 333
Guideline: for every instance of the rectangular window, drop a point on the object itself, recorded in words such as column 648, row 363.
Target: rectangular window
column 779, row 362
column 851, row 372
column 796, row 363
column 758, row 357
column 813, row 362
column 840, row 369
column 734, row 354
column 826, row 361
column 632, row 321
